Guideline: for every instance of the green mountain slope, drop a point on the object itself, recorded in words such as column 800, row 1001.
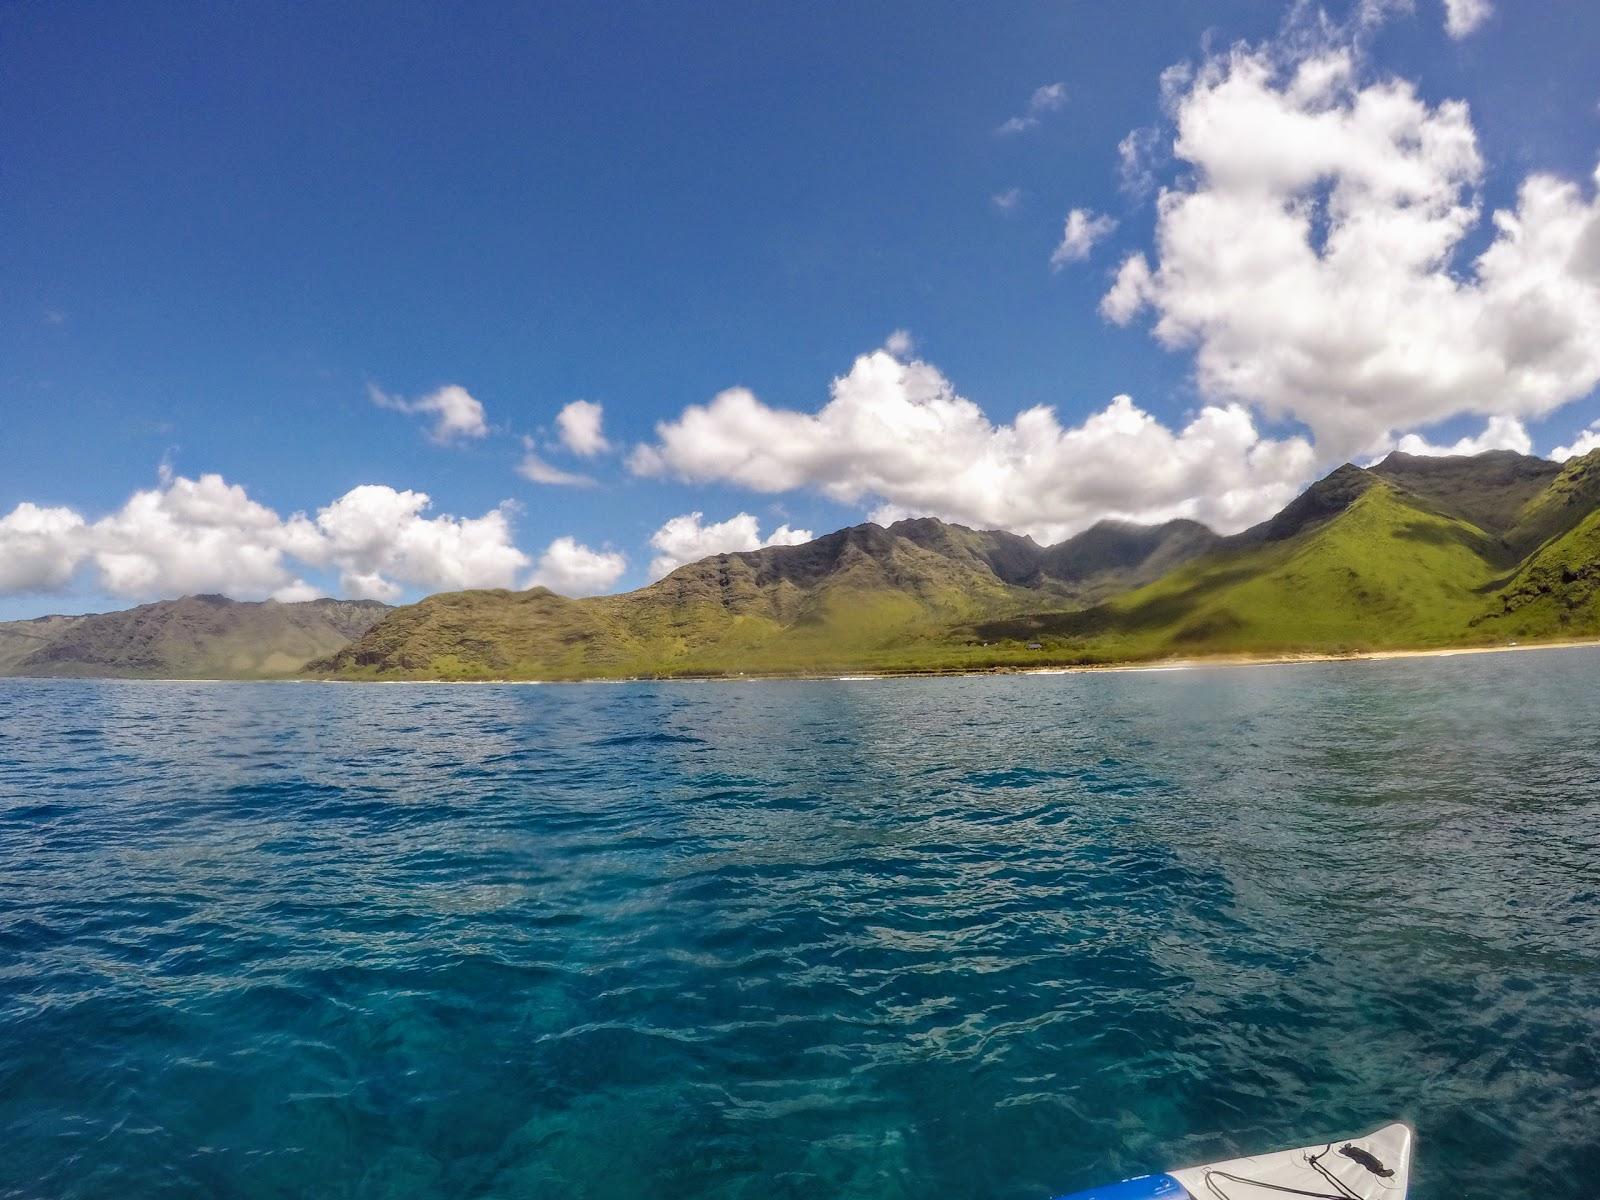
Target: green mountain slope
column 197, row 637
column 1569, row 499
column 1555, row 593
column 1385, row 558
column 1490, row 490
column 862, row 597
column 1320, row 502
column 1381, row 572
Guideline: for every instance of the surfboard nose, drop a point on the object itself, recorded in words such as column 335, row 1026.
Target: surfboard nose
column 1144, row 1187
column 1374, row 1167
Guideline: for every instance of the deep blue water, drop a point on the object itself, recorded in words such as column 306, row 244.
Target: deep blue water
column 934, row 938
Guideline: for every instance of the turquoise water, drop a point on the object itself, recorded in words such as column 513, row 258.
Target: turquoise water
column 925, row 938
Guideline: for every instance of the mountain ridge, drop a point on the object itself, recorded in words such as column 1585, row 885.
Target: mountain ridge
column 864, row 593
column 1404, row 553
column 1379, row 557
column 201, row 636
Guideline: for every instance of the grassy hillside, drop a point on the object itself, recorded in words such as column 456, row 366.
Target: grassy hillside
column 1490, row 490
column 197, row 637
column 1571, row 497
column 1381, row 573
column 1555, row 594
column 19, row 639
column 862, row 597
column 1375, row 559
column 1412, row 553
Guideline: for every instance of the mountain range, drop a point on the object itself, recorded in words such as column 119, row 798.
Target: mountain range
column 197, row 637
column 1412, row 552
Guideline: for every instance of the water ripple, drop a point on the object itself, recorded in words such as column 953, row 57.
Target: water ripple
column 984, row 937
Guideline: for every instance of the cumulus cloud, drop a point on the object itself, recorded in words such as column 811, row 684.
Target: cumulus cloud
column 570, row 568
column 1501, row 433
column 1082, row 231
column 581, row 424
column 1585, row 443
column 533, row 467
column 687, row 539
column 456, row 413
column 1047, row 99
column 1462, row 17
column 1311, row 258
column 1130, row 292
column 900, row 343
column 190, row 535
column 380, row 541
column 897, row 434
column 208, row 535
column 40, row 548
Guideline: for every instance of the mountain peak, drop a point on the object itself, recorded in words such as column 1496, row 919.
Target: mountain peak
column 1326, row 498
column 1490, row 489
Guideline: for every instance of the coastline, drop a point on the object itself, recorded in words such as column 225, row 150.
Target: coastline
column 867, row 675
column 1151, row 666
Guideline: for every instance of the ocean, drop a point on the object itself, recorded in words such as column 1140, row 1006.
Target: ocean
column 972, row 937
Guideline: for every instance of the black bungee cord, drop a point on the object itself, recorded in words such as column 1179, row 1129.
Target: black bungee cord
column 1315, row 1161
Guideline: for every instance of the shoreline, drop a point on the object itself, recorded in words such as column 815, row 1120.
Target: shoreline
column 1150, row 666
column 867, row 675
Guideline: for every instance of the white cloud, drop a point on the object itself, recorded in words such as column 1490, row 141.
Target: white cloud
column 533, row 467
column 1083, row 229
column 900, row 343
column 380, row 542
column 687, row 539
column 456, row 413
column 1501, row 433
column 787, row 535
column 1006, row 201
column 1462, row 17
column 1585, row 443
column 1137, row 155
column 1047, row 99
column 40, row 548
column 207, row 535
column 570, row 568
column 1370, row 14
column 581, row 426
column 190, row 535
column 1130, row 292
column 897, row 434
column 298, row 592
column 1311, row 257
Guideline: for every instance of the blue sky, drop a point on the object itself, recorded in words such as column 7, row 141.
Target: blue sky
column 226, row 228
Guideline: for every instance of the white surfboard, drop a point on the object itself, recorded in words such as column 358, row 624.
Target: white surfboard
column 1375, row 1167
